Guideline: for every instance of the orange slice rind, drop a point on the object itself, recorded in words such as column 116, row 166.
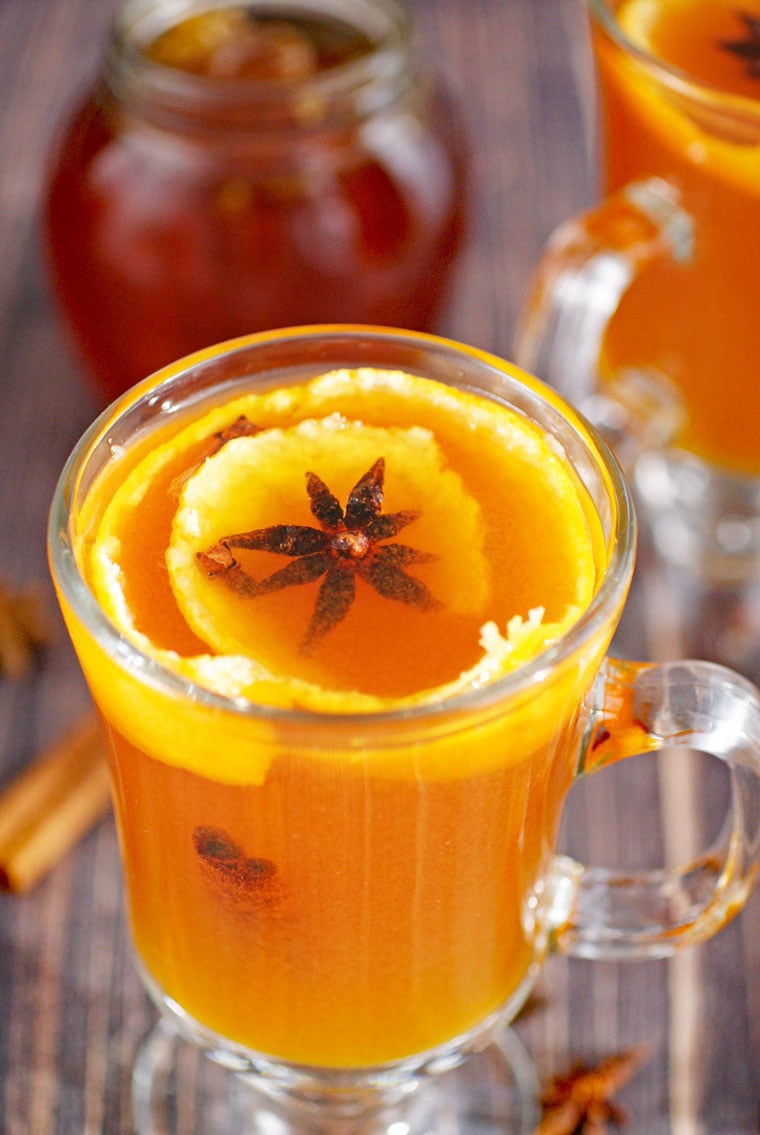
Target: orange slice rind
column 237, row 743
column 297, row 424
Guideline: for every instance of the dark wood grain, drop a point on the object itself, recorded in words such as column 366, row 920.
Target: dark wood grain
column 72, row 1012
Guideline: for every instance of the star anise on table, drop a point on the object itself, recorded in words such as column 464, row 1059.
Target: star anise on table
column 347, row 544
column 747, row 49
column 579, row 1102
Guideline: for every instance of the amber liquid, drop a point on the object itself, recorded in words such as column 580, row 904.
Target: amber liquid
column 394, row 920
column 696, row 323
column 350, row 908
column 164, row 237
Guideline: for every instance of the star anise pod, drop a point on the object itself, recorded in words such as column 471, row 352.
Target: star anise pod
column 347, row 544
column 246, row 883
column 579, row 1102
column 747, row 49
column 228, row 861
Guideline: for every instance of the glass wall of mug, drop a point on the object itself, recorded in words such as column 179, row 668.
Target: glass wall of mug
column 242, row 166
column 306, row 859
column 644, row 308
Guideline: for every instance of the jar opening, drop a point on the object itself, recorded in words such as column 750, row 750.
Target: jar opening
column 271, row 64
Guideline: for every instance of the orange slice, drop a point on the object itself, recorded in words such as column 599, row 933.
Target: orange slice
column 256, row 481
column 250, row 482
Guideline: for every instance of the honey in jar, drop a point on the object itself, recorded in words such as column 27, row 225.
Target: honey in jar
column 241, row 168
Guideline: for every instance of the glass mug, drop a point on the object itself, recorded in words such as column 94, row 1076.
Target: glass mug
column 642, row 310
column 345, row 907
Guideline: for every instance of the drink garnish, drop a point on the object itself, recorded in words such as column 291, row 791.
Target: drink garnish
column 201, row 481
column 749, row 48
column 347, row 544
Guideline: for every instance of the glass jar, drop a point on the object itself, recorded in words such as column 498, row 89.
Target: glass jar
column 190, row 202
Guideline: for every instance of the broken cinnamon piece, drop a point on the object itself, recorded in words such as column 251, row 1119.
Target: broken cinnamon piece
column 241, row 427
column 51, row 805
column 24, row 628
column 579, row 1102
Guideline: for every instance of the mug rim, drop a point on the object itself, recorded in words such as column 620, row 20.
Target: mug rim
column 145, row 667
column 731, row 103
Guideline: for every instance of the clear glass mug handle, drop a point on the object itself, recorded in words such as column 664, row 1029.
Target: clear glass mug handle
column 638, row 707
column 588, row 264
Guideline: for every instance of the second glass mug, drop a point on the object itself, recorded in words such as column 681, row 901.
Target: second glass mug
column 643, row 310
column 394, row 833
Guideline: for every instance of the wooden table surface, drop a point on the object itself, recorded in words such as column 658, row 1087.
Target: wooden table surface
column 72, row 1011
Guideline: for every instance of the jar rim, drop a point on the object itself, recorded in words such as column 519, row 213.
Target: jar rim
column 357, row 88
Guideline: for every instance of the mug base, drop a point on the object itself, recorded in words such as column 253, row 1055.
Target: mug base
column 703, row 521
column 177, row 1089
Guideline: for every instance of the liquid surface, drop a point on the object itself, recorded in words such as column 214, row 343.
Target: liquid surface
column 490, row 553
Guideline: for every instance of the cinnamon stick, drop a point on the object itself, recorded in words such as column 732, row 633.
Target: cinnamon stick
column 51, row 805
column 24, row 628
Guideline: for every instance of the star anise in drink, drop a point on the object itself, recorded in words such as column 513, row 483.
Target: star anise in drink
column 749, row 48
column 227, row 860
column 349, row 543
column 243, row 883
